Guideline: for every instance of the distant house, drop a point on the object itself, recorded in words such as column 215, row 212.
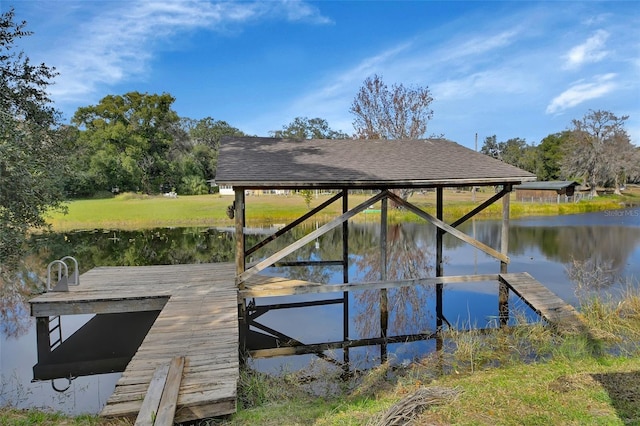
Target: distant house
column 556, row 191
column 221, row 189
column 226, row 189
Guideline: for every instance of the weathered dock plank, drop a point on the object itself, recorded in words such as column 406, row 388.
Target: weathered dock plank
column 543, row 301
column 198, row 321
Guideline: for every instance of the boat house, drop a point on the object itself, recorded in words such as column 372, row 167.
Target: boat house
column 383, row 168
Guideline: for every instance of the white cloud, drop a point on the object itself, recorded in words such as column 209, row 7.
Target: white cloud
column 581, row 92
column 115, row 44
column 479, row 45
column 592, row 50
column 493, row 81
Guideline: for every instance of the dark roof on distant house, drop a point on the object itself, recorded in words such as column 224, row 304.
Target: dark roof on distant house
column 551, row 185
column 253, row 162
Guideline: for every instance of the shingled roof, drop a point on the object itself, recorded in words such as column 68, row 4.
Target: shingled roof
column 253, row 162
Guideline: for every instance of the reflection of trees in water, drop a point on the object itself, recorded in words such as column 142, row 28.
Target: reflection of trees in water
column 161, row 246
column 14, row 315
column 609, row 245
column 591, row 276
column 408, row 256
column 16, row 285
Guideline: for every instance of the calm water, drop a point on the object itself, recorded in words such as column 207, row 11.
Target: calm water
column 605, row 244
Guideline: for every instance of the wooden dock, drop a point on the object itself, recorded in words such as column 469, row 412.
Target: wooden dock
column 198, row 326
column 549, row 306
column 198, row 321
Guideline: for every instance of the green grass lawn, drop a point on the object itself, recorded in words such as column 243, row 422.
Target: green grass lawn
column 130, row 211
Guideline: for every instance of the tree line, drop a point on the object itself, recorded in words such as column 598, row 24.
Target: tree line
column 595, row 150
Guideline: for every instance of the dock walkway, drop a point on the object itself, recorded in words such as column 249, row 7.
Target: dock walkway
column 198, row 320
column 547, row 304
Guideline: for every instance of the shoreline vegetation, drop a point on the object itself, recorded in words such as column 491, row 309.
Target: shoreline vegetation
column 526, row 374
column 522, row 375
column 131, row 211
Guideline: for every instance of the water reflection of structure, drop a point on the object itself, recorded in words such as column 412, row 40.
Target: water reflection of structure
column 105, row 344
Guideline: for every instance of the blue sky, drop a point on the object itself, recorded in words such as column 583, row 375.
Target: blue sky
column 513, row 69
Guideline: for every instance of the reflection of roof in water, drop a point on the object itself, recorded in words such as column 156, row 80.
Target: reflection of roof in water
column 338, row 163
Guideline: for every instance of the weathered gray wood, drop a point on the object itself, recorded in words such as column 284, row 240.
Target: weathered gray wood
column 278, row 286
column 543, row 301
column 239, row 215
column 151, row 402
column 504, row 236
column 168, row 403
column 198, row 320
column 448, row 228
column 480, row 208
column 503, row 291
column 98, row 307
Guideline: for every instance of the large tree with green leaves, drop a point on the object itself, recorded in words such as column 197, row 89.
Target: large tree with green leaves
column 195, row 153
column 550, row 153
column 514, row 151
column 128, row 139
column 308, row 128
column 398, row 112
column 32, row 158
column 600, row 150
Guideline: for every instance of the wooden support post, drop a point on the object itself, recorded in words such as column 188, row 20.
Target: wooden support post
column 384, row 301
column 345, row 279
column 243, row 321
column 503, row 296
column 239, row 214
column 439, row 264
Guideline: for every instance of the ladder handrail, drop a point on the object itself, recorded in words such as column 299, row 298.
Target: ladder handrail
column 56, row 262
column 76, row 271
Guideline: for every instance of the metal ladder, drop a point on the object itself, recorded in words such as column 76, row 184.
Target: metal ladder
column 62, row 284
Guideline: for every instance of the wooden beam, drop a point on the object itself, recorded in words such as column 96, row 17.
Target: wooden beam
column 503, row 290
column 151, row 402
column 272, row 287
column 134, row 304
column 451, row 230
column 314, row 348
column 504, row 237
column 439, row 263
column 169, row 401
column 307, row 239
column 384, row 298
column 345, row 278
column 239, row 213
column 481, row 207
column 377, row 184
column 310, row 263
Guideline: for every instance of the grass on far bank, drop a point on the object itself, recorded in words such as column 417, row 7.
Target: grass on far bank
column 132, row 211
